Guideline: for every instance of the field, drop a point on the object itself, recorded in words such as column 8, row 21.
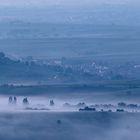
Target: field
column 74, row 125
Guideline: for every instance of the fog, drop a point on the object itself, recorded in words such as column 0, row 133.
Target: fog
column 70, row 102
column 69, row 69
column 60, row 123
column 73, row 126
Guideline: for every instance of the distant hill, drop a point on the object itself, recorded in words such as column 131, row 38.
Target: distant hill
column 19, row 72
column 30, row 71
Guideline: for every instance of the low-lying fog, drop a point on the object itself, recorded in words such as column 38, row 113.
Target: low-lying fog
column 53, row 118
column 66, row 104
column 68, row 126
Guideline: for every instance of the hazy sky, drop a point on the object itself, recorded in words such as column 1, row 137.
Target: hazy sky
column 62, row 2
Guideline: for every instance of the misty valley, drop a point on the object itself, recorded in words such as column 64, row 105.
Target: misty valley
column 70, row 79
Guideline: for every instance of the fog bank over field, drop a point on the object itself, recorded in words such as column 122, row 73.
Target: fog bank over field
column 90, row 126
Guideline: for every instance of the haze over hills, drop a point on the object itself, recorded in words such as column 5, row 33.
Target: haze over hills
column 84, row 31
column 69, row 69
column 42, row 53
column 30, row 71
column 109, row 14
